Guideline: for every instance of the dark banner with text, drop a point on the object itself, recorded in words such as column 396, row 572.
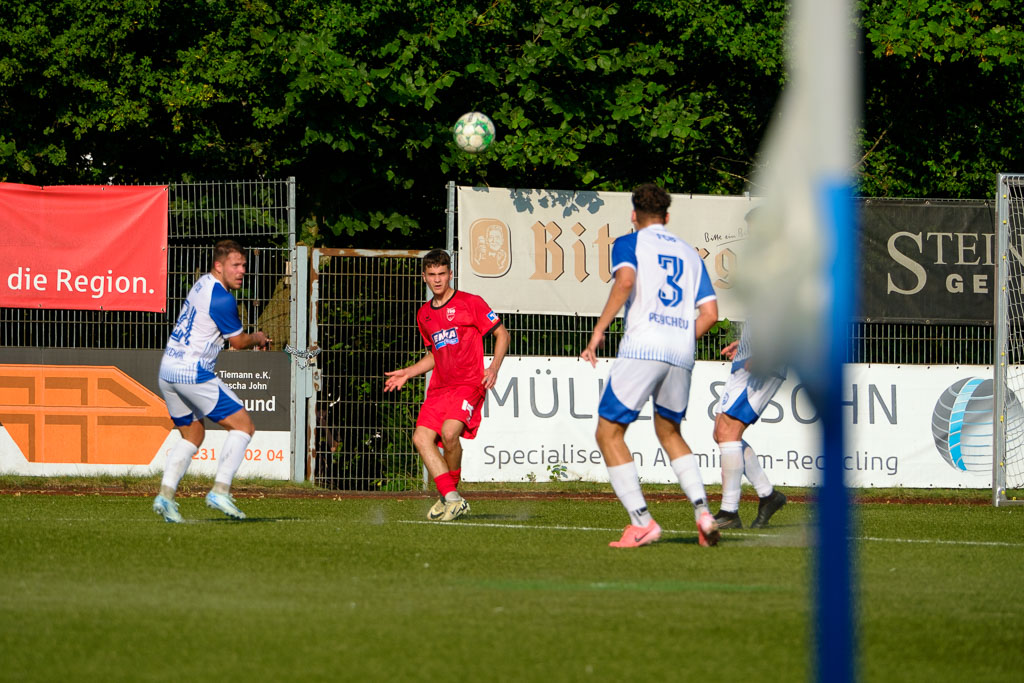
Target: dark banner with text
column 87, row 247
column 927, row 261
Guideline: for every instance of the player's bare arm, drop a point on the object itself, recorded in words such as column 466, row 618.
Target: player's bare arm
column 256, row 340
column 501, row 341
column 707, row 315
column 396, row 379
column 625, row 279
column 730, row 350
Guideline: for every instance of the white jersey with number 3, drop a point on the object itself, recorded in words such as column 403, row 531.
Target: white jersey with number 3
column 671, row 282
column 209, row 315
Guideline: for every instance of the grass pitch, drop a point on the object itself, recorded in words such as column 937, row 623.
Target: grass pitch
column 98, row 588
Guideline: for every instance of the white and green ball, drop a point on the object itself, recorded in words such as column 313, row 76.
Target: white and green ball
column 473, row 132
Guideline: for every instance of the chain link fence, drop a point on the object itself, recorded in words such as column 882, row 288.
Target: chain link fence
column 364, row 307
column 365, row 313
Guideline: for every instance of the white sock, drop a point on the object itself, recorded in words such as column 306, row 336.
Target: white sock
column 732, row 474
column 756, row 475
column 626, row 484
column 175, row 465
column 688, row 472
column 231, row 456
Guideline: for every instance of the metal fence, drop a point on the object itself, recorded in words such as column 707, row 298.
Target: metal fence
column 258, row 214
column 907, row 343
column 920, row 344
column 364, row 307
column 363, row 318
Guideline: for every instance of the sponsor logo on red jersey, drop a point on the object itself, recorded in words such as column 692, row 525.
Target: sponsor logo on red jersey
column 445, row 338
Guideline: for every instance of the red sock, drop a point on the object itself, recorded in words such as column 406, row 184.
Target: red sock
column 444, row 483
column 456, row 476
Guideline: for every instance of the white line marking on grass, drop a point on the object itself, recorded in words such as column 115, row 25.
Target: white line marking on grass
column 516, row 526
column 150, row 520
column 543, row 527
column 495, row 525
column 874, row 539
column 998, row 544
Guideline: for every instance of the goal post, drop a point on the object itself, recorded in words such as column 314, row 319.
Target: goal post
column 1008, row 356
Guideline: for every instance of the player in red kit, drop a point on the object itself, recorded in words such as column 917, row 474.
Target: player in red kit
column 453, row 325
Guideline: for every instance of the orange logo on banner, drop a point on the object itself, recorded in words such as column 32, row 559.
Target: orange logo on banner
column 81, row 414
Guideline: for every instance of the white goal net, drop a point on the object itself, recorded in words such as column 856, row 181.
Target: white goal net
column 1008, row 415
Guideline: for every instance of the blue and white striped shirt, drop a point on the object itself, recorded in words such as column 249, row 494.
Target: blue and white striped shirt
column 671, row 282
column 208, row 316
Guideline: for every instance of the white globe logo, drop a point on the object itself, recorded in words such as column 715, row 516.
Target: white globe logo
column 962, row 424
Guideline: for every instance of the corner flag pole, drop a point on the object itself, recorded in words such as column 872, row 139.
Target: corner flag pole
column 799, row 283
column 834, row 581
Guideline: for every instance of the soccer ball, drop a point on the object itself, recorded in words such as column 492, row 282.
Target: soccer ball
column 473, row 132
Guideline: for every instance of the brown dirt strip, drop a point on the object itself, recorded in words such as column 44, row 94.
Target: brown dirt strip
column 243, row 492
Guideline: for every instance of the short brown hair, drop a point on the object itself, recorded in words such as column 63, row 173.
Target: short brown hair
column 651, row 202
column 225, row 248
column 437, row 257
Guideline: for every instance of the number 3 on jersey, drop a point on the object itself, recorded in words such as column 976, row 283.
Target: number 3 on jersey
column 671, row 294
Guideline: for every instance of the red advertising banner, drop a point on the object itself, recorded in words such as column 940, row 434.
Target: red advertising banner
column 84, row 247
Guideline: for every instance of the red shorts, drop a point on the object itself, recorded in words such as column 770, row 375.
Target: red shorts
column 460, row 402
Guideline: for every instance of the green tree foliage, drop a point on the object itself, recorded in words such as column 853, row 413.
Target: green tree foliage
column 356, row 99
column 943, row 96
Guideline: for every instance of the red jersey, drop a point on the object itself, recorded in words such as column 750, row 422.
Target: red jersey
column 454, row 333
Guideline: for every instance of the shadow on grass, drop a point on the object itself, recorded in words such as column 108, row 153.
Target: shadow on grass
column 690, row 540
column 248, row 520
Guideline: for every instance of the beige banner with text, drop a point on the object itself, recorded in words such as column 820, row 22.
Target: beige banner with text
column 549, row 251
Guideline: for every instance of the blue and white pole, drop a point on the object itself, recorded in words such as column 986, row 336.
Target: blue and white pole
column 798, row 278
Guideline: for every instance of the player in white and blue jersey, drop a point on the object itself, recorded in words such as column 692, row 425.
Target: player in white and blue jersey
column 661, row 280
column 745, row 396
column 193, row 391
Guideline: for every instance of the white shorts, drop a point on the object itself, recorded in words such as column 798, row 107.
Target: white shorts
column 212, row 399
column 746, row 396
column 632, row 381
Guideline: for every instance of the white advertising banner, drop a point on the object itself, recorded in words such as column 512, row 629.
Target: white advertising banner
column 549, row 251
column 909, row 426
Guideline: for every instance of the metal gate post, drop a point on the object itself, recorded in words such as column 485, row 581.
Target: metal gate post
column 314, row 366
column 450, row 219
column 302, row 384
